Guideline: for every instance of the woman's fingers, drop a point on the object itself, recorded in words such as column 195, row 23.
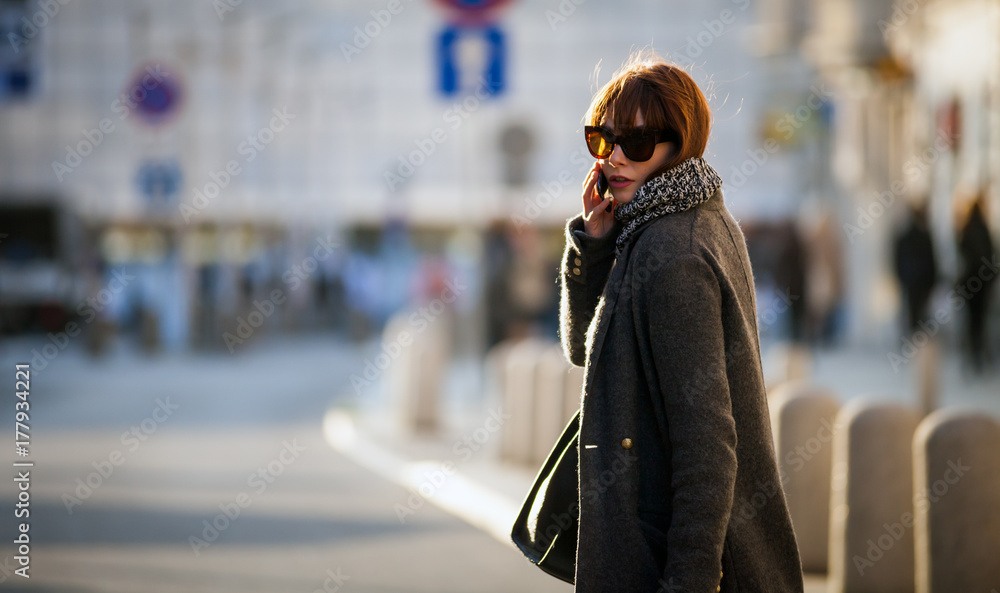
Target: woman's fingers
column 588, row 187
column 602, row 208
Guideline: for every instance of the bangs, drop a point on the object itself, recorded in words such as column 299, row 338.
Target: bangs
column 624, row 98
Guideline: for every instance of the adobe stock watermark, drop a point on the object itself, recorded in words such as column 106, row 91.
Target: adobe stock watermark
column 711, row 30
column 798, row 457
column 767, row 318
column 333, row 582
column 131, row 439
column 224, row 7
column 589, row 494
column 901, row 13
column 89, row 309
column 419, row 320
column 464, row 448
column 563, row 11
column 957, row 298
column 453, row 117
column 31, row 27
column 294, row 277
column 363, row 37
column 231, row 511
column 551, row 190
column 893, row 533
column 123, row 106
column 704, row 378
column 793, row 120
column 249, row 148
column 7, row 569
column 914, row 168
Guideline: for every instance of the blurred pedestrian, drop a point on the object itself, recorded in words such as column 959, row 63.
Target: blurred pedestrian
column 916, row 266
column 790, row 277
column 824, row 283
column 498, row 262
column 976, row 282
column 673, row 374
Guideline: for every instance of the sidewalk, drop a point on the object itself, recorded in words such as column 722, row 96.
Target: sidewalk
column 450, row 468
column 442, row 469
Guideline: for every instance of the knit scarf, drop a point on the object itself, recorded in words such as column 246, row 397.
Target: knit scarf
column 686, row 185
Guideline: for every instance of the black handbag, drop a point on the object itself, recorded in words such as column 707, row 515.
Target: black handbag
column 546, row 528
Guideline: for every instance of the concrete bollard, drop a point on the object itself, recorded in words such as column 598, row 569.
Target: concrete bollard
column 432, row 359
column 956, row 459
column 871, row 499
column 398, row 376
column 415, row 373
column 550, row 397
column 495, row 370
column 928, row 371
column 802, row 422
column 786, row 363
column 574, row 392
column 517, row 441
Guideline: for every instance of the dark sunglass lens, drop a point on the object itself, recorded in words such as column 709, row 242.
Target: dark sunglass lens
column 639, row 146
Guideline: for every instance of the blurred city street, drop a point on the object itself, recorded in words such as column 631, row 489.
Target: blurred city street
column 291, row 280
column 318, row 512
column 325, row 504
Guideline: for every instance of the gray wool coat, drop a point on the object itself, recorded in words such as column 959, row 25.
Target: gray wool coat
column 678, row 478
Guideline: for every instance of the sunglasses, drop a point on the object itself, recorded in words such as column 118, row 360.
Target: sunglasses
column 637, row 144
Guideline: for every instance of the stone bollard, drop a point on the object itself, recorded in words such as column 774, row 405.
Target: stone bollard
column 956, row 471
column 550, row 398
column 928, row 372
column 786, row 362
column 802, row 421
column 399, row 377
column 415, row 373
column 432, row 360
column 517, row 441
column 495, row 370
column 871, row 499
column 574, row 392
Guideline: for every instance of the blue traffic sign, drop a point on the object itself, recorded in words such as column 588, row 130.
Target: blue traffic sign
column 490, row 74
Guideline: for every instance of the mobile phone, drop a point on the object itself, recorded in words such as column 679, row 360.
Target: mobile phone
column 602, row 183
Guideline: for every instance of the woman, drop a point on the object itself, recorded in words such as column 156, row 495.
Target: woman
column 679, row 487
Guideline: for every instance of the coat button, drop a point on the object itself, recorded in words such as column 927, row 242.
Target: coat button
column 627, row 443
column 577, row 261
column 576, row 271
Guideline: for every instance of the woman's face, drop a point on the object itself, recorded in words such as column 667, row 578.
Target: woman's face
column 625, row 176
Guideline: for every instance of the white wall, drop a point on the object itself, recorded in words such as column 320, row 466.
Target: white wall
column 354, row 118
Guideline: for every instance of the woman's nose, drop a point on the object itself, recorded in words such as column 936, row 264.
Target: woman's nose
column 617, row 157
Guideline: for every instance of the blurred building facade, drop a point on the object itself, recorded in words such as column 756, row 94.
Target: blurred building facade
column 916, row 85
column 269, row 131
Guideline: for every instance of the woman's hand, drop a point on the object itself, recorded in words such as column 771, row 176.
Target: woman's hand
column 598, row 212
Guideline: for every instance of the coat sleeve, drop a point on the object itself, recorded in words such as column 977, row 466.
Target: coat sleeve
column 586, row 264
column 683, row 307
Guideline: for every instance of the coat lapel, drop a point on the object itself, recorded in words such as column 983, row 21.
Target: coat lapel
column 612, row 290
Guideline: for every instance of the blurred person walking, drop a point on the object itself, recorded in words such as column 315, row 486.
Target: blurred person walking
column 657, row 304
column 791, row 279
column 975, row 283
column 916, row 266
column 824, row 278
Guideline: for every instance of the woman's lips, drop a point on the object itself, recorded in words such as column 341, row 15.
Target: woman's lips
column 618, row 181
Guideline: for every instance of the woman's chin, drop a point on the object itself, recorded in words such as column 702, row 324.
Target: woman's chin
column 624, row 197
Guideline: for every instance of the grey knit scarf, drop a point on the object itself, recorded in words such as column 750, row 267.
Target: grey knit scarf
column 688, row 184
